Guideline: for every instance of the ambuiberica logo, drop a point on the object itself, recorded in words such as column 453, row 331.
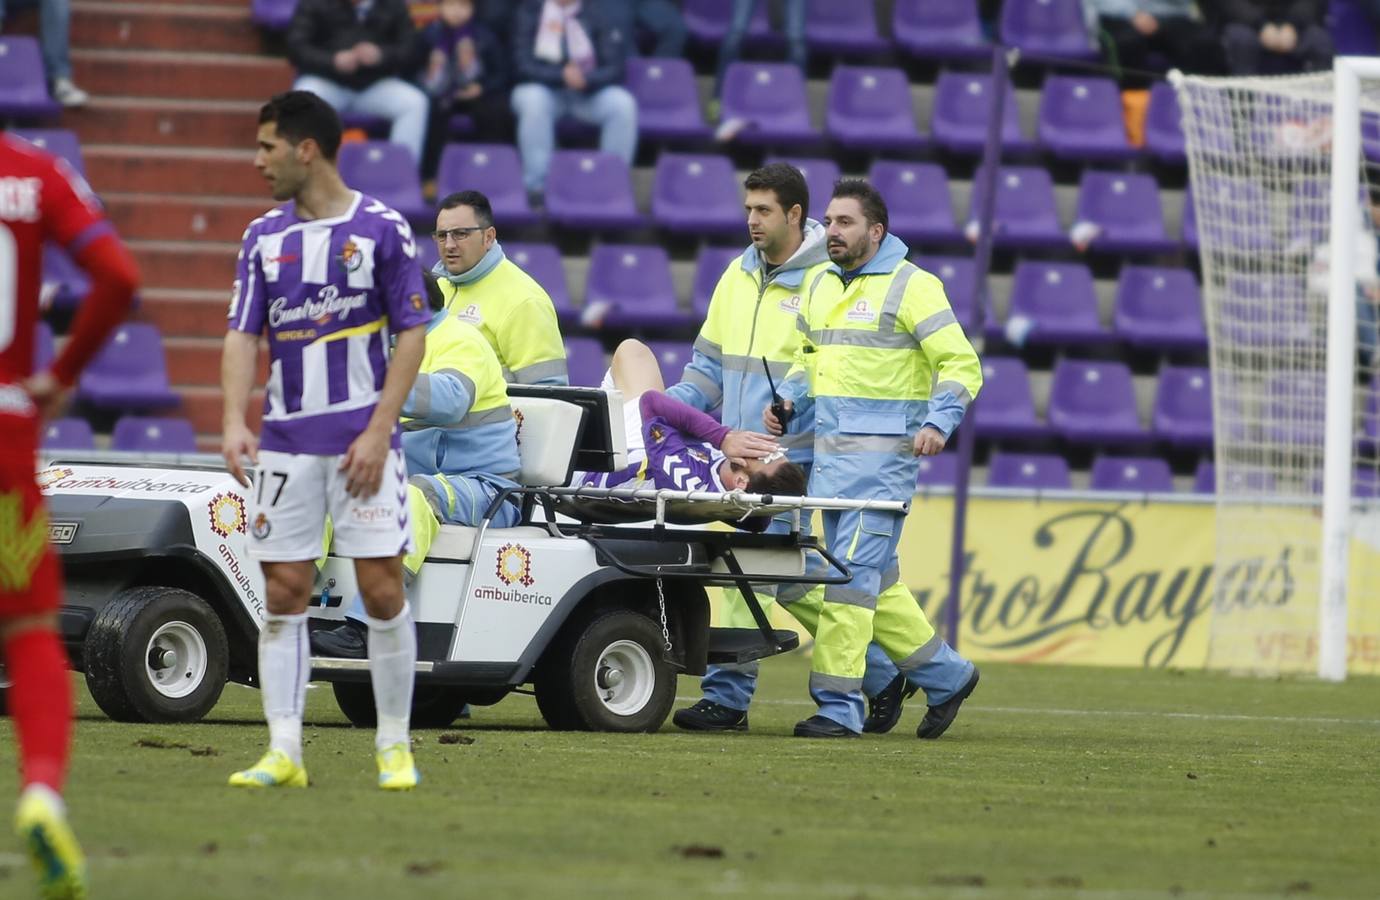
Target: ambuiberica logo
column 513, row 566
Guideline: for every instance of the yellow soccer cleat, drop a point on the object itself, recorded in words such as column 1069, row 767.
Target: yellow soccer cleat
column 397, row 770
column 276, row 769
column 42, row 825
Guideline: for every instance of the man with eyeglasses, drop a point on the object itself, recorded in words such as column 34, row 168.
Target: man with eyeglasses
column 483, row 287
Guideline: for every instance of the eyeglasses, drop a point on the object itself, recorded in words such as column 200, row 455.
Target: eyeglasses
column 457, row 234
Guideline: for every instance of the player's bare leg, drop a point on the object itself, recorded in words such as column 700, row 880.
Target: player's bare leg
column 635, row 370
column 40, row 701
column 284, row 667
column 392, row 667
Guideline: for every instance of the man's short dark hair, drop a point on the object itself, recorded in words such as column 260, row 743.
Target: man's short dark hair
column 787, row 481
column 873, row 206
column 784, row 180
column 483, row 212
column 434, row 298
column 300, row 115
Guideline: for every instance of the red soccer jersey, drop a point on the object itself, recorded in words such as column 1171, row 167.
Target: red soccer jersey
column 41, row 199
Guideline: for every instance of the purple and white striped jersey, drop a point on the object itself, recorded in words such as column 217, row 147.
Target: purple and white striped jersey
column 330, row 292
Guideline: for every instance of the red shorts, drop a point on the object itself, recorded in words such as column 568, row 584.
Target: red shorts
column 30, row 576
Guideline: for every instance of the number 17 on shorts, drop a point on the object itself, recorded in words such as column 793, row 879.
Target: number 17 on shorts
column 293, row 493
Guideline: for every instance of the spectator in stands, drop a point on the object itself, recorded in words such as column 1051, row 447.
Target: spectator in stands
column 1274, row 35
column 467, row 72
column 357, row 56
column 570, row 60
column 54, row 28
column 731, row 48
column 657, row 20
column 1171, row 28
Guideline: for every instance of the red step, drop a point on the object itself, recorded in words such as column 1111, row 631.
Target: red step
column 159, row 170
column 185, row 312
column 172, row 264
column 182, row 218
column 175, row 74
column 231, row 124
column 202, row 406
column 217, row 28
column 195, row 362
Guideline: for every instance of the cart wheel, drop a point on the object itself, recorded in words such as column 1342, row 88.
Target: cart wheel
column 156, row 654
column 609, row 676
column 432, row 707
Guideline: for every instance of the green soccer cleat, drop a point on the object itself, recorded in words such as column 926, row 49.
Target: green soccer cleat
column 397, row 770
column 42, row 825
column 276, row 769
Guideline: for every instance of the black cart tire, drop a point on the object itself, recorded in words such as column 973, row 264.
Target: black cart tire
column 432, row 707
column 608, row 676
column 156, row 654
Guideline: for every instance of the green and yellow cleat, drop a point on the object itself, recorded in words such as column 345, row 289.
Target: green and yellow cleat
column 397, row 770
column 42, row 825
column 276, row 769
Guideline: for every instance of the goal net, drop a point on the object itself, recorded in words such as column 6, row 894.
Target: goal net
column 1290, row 284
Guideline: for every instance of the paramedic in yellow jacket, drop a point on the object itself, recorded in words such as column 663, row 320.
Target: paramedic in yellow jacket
column 484, row 288
column 876, row 334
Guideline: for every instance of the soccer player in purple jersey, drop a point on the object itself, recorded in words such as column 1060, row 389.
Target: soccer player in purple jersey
column 332, row 275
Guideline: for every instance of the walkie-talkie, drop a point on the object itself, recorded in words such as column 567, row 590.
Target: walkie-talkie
column 778, row 406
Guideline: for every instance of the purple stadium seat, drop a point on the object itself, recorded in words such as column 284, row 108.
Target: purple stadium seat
column 1189, row 223
column 1205, row 478
column 844, row 28
column 1094, row 403
column 493, row 169
column 668, row 101
column 141, row 434
column 870, row 108
column 43, row 346
column 630, row 287
column 697, row 194
column 937, row 471
column 23, row 86
column 1141, row 474
column 1369, row 441
column 1058, row 302
column 590, row 189
column 1243, row 208
column 275, row 15
column 1164, row 133
column 1183, row 407
column 770, row 100
column 58, row 141
column 962, row 109
column 707, row 21
column 1365, row 483
column 64, row 282
column 672, row 356
column 428, row 255
column 68, row 434
column 1126, row 207
column 1159, row 308
column 584, row 359
column 129, row 372
column 1046, row 29
column 820, row 175
column 958, row 273
column 386, row 172
column 1037, row 471
column 939, row 29
column 1025, row 214
column 1006, row 407
column 1353, row 31
column 1370, row 136
column 709, row 268
column 543, row 263
column 917, row 199
column 1081, row 119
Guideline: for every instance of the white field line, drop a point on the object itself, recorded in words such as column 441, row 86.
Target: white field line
column 1114, row 713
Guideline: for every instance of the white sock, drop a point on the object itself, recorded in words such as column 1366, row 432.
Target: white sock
column 284, row 667
column 392, row 666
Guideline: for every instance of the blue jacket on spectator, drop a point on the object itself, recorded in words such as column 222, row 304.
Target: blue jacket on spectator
column 610, row 48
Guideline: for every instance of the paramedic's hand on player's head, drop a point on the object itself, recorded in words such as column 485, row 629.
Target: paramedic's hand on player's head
column 929, row 441
column 748, row 444
column 237, row 443
column 769, row 419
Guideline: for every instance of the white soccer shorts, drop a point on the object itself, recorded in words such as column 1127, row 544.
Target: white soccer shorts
column 293, row 494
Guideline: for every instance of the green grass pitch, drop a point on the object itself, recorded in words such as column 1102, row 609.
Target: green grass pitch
column 1054, row 782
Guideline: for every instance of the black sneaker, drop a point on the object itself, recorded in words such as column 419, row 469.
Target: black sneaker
column 710, row 716
column 938, row 718
column 884, row 710
column 821, row 727
column 347, row 641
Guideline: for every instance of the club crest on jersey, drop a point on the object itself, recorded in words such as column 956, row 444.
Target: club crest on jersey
column 470, row 314
column 350, row 257
column 261, row 527
column 790, row 304
column 861, row 312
